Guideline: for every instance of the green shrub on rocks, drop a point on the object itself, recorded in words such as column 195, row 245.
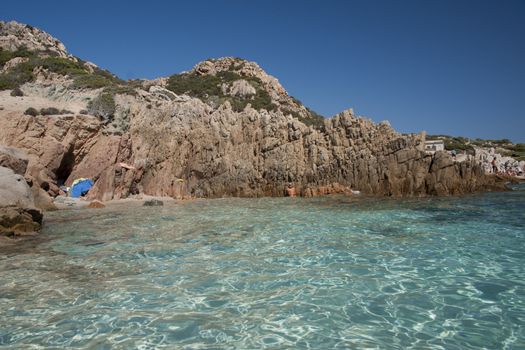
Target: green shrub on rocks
column 16, row 92
column 314, row 119
column 6, row 56
column 31, row 111
column 208, row 89
column 100, row 78
column 103, row 106
column 50, row 111
column 75, row 69
column 17, row 76
column 195, row 85
column 23, row 72
column 90, row 81
column 59, row 65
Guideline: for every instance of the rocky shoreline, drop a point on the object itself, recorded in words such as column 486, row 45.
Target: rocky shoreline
column 226, row 128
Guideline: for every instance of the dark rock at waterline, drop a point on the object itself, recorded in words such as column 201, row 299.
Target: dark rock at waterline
column 153, row 203
column 19, row 221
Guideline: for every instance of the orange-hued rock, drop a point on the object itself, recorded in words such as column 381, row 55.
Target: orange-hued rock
column 158, row 143
column 95, row 204
column 222, row 152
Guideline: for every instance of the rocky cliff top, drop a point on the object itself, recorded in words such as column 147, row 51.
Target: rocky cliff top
column 16, row 36
column 240, row 82
column 31, row 59
column 224, row 128
column 243, row 68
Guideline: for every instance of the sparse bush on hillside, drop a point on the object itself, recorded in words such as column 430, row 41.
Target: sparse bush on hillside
column 16, row 92
column 23, row 72
column 82, row 78
column 262, row 100
column 59, row 65
column 50, row 111
column 90, row 81
column 31, row 111
column 208, row 89
column 296, row 100
column 314, row 119
column 103, row 106
column 6, row 56
column 195, row 85
column 503, row 146
column 17, row 76
column 83, row 112
column 121, row 89
column 517, row 151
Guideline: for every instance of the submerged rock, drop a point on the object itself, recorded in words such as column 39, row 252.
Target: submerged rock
column 95, row 204
column 16, row 221
column 153, row 203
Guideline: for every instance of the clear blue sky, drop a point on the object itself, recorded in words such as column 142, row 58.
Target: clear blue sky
column 454, row 67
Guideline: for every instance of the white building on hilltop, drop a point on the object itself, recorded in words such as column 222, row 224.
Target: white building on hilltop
column 432, row 146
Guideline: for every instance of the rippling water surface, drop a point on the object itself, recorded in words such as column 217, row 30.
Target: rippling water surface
column 322, row 273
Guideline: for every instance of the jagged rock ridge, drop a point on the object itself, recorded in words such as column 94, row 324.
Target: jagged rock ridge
column 206, row 133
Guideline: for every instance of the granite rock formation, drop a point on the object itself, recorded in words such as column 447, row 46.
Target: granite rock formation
column 15, row 36
column 18, row 215
column 158, row 142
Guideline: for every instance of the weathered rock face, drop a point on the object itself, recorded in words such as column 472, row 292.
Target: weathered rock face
column 14, row 191
column 163, row 144
column 506, row 165
column 279, row 96
column 184, row 147
column 54, row 145
column 15, row 36
column 17, row 213
column 13, row 159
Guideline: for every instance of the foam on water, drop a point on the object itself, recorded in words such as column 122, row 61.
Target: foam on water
column 327, row 273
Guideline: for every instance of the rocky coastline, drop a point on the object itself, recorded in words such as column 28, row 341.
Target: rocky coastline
column 251, row 139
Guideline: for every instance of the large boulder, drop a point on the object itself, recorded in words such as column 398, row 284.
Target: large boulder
column 18, row 215
column 14, row 190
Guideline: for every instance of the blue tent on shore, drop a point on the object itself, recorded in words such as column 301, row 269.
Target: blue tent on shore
column 80, row 187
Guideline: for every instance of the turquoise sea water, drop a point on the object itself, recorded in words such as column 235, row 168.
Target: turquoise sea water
column 323, row 273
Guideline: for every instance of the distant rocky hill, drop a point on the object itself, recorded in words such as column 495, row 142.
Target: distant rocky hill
column 224, row 128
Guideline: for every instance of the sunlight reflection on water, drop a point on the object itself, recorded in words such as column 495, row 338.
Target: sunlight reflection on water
column 329, row 272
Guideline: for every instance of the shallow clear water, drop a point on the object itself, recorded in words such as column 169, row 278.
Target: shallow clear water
column 322, row 273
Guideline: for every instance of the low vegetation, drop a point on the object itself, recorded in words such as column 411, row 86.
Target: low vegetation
column 90, row 81
column 83, row 77
column 6, row 56
column 454, row 143
column 18, row 75
column 16, row 92
column 208, row 89
column 31, row 111
column 313, row 119
column 103, row 106
column 46, row 111
column 503, row 146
